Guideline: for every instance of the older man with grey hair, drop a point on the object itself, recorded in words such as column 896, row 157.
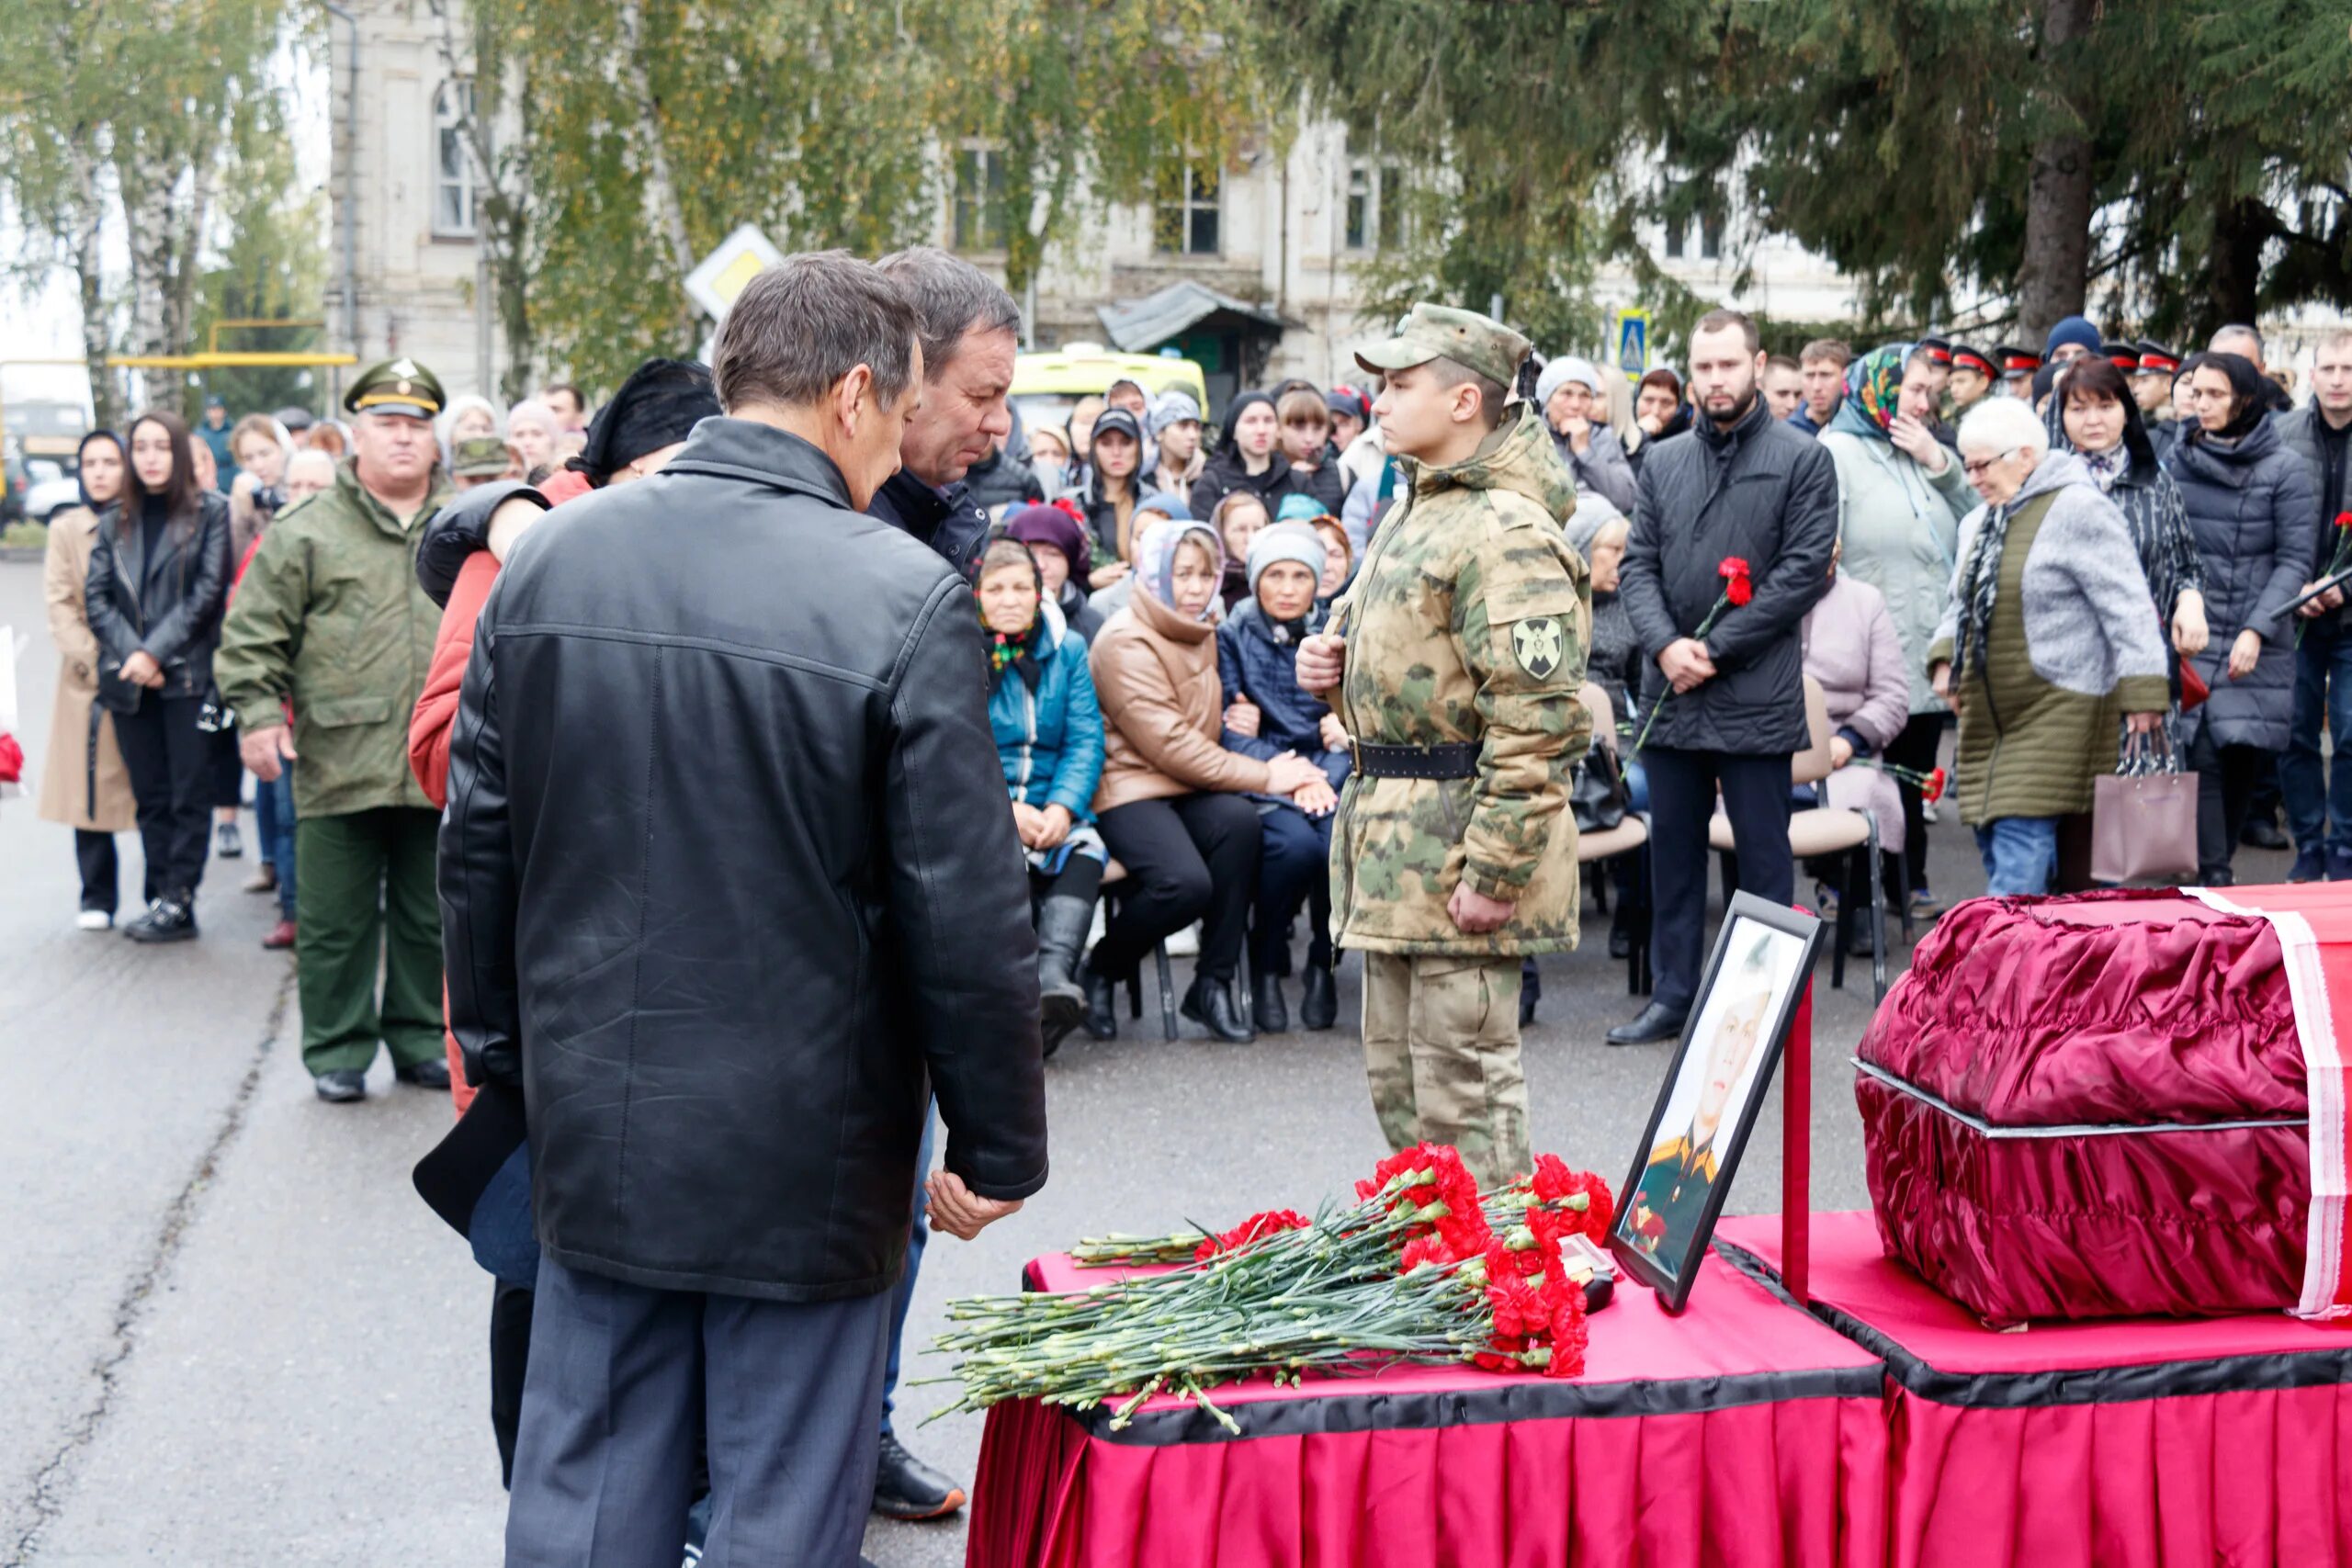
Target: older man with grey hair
column 728, row 893
column 970, row 328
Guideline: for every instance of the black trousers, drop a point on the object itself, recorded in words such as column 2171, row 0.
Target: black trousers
column 173, row 768
column 1915, row 749
column 2227, row 778
column 94, row 852
column 1190, row 858
column 1682, row 801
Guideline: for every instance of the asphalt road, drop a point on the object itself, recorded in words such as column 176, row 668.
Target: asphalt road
column 232, row 1335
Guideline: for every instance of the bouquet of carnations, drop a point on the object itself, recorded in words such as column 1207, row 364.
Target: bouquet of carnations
column 1422, row 1268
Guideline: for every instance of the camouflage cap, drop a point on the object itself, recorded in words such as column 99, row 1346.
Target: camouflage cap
column 481, row 457
column 397, row 386
column 1440, row 332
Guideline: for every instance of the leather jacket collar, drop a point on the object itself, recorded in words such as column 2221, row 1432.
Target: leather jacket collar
column 746, row 449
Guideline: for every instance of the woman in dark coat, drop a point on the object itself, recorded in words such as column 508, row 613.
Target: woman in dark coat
column 2251, row 505
column 159, row 576
column 1249, row 458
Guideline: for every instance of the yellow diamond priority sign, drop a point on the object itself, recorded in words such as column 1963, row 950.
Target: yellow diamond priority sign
column 729, row 268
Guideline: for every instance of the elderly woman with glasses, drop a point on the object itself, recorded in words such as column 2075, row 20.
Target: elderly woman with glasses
column 2048, row 647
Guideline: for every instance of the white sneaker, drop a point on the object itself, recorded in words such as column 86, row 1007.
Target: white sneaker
column 1185, row 944
column 95, row 921
column 1927, row 812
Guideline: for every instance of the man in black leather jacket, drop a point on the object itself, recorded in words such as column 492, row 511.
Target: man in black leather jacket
column 729, row 889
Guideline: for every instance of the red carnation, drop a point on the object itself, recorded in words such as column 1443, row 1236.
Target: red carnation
column 1568, row 1334
column 1933, row 790
column 1257, row 1228
column 1737, row 588
column 1070, row 510
column 1554, row 1184
column 2343, row 521
column 12, row 759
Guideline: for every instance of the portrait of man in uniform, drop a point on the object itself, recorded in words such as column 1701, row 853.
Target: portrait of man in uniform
column 1694, row 1142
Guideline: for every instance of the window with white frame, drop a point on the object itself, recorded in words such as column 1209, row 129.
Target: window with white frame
column 453, row 165
column 980, row 199
column 1184, row 207
column 1375, row 217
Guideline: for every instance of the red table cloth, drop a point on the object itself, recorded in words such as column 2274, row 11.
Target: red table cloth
column 2120, row 1443
column 1742, row 1434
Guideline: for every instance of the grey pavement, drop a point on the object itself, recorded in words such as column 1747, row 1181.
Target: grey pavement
column 231, row 1333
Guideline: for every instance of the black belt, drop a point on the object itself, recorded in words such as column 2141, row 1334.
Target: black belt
column 1453, row 760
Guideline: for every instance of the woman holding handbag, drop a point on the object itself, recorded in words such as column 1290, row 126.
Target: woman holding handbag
column 159, row 575
column 2046, row 643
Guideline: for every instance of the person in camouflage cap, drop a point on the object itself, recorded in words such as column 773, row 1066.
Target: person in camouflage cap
column 1456, row 656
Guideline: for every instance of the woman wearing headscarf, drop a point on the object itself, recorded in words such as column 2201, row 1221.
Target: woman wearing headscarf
column 1900, row 498
column 159, row 575
column 2251, row 505
column 1174, row 805
column 1248, row 457
column 84, row 783
column 2045, row 644
column 1049, row 734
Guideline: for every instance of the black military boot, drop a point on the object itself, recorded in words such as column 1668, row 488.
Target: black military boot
column 1319, row 1007
column 170, row 917
column 1210, row 1004
column 1061, row 933
column 1531, row 991
column 1266, row 1004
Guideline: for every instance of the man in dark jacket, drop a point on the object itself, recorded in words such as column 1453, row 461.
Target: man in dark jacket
column 729, row 891
column 1730, row 711
column 970, row 329
column 2319, row 811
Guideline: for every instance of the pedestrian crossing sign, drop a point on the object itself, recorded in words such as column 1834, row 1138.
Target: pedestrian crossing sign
column 1633, row 340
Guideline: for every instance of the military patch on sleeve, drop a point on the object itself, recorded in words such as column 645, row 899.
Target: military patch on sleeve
column 1537, row 642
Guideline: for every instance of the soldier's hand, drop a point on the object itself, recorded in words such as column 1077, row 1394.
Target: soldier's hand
column 1685, row 664
column 1474, row 914
column 1322, row 658
column 960, row 1212
column 262, row 749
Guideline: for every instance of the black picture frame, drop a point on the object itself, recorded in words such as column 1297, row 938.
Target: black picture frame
column 1637, row 1242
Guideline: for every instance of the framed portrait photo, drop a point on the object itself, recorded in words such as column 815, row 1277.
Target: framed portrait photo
column 1739, row 1024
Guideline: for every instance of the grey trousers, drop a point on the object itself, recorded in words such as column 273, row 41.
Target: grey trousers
column 621, row 1376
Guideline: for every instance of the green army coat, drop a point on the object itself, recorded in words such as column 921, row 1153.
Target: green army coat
column 329, row 616
column 1469, row 622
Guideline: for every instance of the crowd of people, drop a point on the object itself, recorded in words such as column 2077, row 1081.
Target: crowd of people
column 2064, row 555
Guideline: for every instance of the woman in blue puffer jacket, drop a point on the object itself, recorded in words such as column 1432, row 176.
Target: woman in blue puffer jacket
column 1267, row 713
column 1049, row 734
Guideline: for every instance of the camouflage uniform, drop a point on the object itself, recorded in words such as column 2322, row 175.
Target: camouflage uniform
column 1467, row 625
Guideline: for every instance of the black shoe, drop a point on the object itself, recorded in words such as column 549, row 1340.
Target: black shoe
column 906, row 1488
column 1267, row 1008
column 169, row 919
column 2264, row 833
column 342, row 1085
column 1657, row 1022
column 432, row 1074
column 1210, row 1004
column 1101, row 1018
column 1318, row 1008
column 228, row 843
column 1620, row 943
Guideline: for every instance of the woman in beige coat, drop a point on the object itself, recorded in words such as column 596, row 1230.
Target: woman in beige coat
column 84, row 783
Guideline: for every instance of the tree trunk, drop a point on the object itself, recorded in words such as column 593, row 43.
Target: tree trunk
column 2241, row 230
column 88, row 212
column 147, row 211
column 662, row 202
column 2054, row 276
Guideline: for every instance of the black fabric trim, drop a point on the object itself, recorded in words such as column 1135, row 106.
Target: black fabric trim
column 1378, row 1411
column 2079, row 1385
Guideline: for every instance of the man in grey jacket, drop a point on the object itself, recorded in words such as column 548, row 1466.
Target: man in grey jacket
column 1729, row 711
column 1566, row 392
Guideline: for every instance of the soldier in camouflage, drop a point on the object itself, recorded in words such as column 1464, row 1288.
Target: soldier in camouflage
column 1456, row 656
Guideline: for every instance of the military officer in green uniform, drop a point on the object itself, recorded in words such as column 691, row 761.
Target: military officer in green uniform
column 1456, row 656
column 329, row 629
